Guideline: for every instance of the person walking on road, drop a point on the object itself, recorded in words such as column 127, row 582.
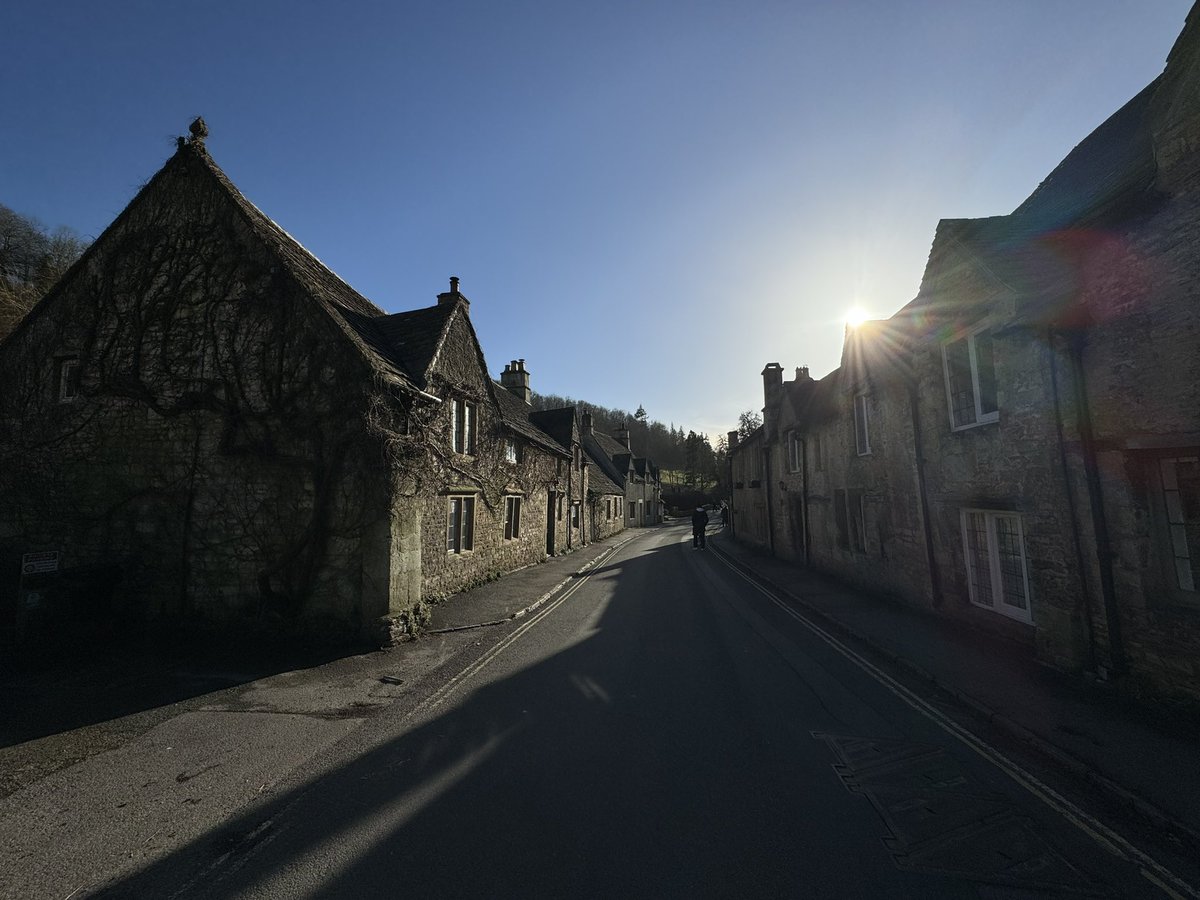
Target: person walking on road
column 699, row 523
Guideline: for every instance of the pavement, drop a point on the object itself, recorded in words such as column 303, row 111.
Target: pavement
column 1139, row 755
column 523, row 591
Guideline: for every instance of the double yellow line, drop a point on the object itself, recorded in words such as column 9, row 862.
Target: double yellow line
column 1150, row 869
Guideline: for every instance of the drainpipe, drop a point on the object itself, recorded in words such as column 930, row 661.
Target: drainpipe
column 1085, row 591
column 1091, row 468
column 935, row 578
column 804, row 548
column 732, row 490
column 770, row 508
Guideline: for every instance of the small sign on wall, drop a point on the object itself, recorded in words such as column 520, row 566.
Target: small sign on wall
column 37, row 563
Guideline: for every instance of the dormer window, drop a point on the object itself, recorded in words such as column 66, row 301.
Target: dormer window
column 512, row 452
column 67, row 387
column 462, row 423
column 971, row 379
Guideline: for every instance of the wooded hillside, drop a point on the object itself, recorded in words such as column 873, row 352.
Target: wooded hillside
column 32, row 259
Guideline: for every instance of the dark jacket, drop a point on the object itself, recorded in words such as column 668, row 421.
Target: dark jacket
column 699, row 520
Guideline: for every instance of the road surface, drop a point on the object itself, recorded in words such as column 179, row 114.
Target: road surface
column 664, row 728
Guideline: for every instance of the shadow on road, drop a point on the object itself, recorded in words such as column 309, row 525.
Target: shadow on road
column 597, row 770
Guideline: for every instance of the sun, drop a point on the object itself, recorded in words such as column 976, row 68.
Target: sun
column 855, row 316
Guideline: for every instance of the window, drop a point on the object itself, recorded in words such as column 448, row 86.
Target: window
column 862, row 438
column 632, row 512
column 795, row 451
column 512, row 518
column 68, row 379
column 574, row 515
column 971, row 379
column 849, row 519
column 997, row 574
column 460, row 525
column 512, row 453
column 1179, row 505
column 462, row 419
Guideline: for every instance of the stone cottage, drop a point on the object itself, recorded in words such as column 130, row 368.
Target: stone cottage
column 637, row 476
column 203, row 425
column 1019, row 445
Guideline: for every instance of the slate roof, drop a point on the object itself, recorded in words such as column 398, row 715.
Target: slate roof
column 412, row 339
column 516, row 414
column 599, row 481
column 562, row 424
column 1112, row 165
column 614, row 474
column 622, row 459
column 610, row 445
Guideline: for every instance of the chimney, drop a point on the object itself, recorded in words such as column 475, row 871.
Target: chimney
column 453, row 295
column 622, row 435
column 733, row 440
column 772, row 377
column 586, row 424
column 802, row 373
column 516, row 380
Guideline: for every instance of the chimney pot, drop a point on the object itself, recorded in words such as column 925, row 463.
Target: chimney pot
column 454, row 284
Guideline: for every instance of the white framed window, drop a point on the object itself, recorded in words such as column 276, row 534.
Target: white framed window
column 575, row 514
column 512, row 518
column 67, row 387
column 862, row 425
column 512, row 453
column 970, row 369
column 460, row 524
column 462, row 424
column 795, row 451
column 1177, row 479
column 849, row 518
column 997, row 570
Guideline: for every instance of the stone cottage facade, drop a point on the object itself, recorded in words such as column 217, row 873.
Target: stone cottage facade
column 1019, row 447
column 205, row 426
column 637, row 476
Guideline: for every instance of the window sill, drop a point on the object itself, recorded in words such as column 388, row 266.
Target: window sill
column 995, row 420
column 1024, row 619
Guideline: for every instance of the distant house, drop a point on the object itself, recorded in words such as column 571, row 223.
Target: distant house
column 605, row 485
column 210, row 428
column 1019, row 447
column 638, row 477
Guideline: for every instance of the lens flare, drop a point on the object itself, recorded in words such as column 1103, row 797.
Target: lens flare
column 855, row 316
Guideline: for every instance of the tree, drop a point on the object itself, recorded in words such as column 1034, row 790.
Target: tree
column 31, row 262
column 748, row 423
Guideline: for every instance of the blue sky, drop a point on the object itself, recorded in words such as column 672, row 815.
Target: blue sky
column 647, row 201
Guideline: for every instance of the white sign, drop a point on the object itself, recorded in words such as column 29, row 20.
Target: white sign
column 43, row 561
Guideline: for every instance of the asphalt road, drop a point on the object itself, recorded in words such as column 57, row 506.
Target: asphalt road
column 663, row 729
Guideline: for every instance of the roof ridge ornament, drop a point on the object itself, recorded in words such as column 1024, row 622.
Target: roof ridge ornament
column 199, row 131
